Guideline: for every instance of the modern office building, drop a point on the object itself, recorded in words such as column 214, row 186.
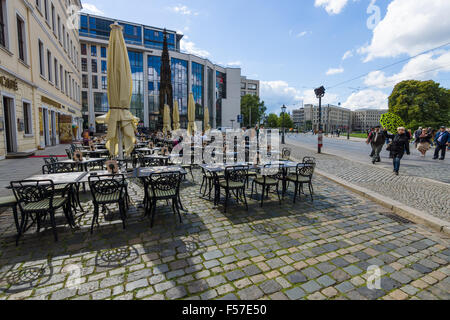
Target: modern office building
column 366, row 119
column 249, row 86
column 40, row 80
column 333, row 117
column 298, row 117
column 214, row 87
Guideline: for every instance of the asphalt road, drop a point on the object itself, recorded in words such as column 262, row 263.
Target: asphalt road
column 358, row 150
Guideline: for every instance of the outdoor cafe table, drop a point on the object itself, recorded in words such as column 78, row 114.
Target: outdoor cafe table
column 165, row 159
column 84, row 163
column 95, row 152
column 217, row 168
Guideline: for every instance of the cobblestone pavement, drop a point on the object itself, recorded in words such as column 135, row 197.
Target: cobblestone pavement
column 357, row 150
column 311, row 250
column 16, row 169
column 422, row 194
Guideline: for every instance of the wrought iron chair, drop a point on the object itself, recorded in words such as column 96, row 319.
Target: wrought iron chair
column 150, row 162
column 108, row 189
column 69, row 153
column 235, row 182
column 38, row 198
column 50, row 160
column 303, row 175
column 286, row 153
column 269, row 178
column 96, row 165
column 162, row 186
column 310, row 160
column 207, row 183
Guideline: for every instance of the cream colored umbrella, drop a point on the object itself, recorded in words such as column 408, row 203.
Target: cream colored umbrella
column 206, row 125
column 192, row 127
column 102, row 119
column 121, row 123
column 166, row 119
column 176, row 116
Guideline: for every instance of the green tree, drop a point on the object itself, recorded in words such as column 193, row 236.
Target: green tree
column 288, row 123
column 421, row 103
column 272, row 120
column 257, row 107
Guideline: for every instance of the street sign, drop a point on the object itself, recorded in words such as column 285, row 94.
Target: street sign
column 240, row 118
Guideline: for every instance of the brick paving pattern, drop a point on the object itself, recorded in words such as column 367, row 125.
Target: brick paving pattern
column 414, row 191
column 311, row 250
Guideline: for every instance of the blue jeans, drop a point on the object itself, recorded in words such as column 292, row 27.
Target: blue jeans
column 397, row 164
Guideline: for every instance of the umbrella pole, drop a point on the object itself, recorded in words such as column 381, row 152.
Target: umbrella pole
column 120, row 141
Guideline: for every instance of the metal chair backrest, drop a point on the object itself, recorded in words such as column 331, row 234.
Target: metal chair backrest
column 50, row 160
column 69, row 153
column 236, row 174
column 270, row 171
column 32, row 191
column 310, row 160
column 166, row 181
column 150, row 162
column 286, row 153
column 106, row 185
column 305, row 170
column 58, row 168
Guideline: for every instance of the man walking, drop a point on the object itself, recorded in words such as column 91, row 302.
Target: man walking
column 442, row 140
column 376, row 140
column 417, row 135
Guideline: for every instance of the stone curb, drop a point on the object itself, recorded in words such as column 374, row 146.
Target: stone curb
column 398, row 208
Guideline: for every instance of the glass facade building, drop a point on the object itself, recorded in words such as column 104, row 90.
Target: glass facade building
column 207, row 81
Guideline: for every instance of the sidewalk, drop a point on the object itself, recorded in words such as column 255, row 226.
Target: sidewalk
column 17, row 169
column 422, row 194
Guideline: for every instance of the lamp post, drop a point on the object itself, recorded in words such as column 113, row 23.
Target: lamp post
column 349, row 124
column 320, row 93
column 232, row 124
column 283, row 111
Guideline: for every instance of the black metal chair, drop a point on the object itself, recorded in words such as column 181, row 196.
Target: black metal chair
column 105, row 190
column 98, row 165
column 235, row 182
column 38, row 198
column 162, row 186
column 150, row 162
column 50, row 160
column 310, row 160
column 269, row 178
column 303, row 175
column 207, row 183
column 69, row 153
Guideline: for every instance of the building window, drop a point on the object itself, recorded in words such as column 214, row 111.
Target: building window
column 94, row 82
column 197, row 89
column 61, row 76
column 47, row 17
column 59, row 28
column 84, row 101
column 83, row 49
column 252, row 86
column 103, row 52
column 84, row 66
column 3, row 24
column 64, row 37
column 104, row 66
column 28, row 122
column 49, row 66
column 243, row 85
column 53, row 19
column 93, row 51
column 41, row 58
column 154, row 69
column 56, row 73
column 104, row 83
column 85, row 82
column 21, row 38
column 94, row 66
column 100, row 102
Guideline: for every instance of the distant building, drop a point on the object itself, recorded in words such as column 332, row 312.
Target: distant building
column 366, row 119
column 298, row 117
column 333, row 117
column 249, row 86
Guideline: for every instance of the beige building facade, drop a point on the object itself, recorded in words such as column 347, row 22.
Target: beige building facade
column 40, row 81
column 249, row 86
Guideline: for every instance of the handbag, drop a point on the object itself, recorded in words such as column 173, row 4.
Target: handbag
column 389, row 147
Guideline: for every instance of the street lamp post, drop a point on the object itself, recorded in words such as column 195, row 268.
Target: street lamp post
column 320, row 93
column 349, row 124
column 283, row 109
column 232, row 124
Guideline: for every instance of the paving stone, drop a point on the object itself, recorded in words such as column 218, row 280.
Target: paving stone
column 212, row 255
column 250, row 293
column 325, row 267
column 270, row 286
column 345, row 287
column 176, row 293
column 326, row 281
column 295, row 293
column 229, row 297
column 131, row 286
column 296, row 277
column 234, row 275
column 340, row 275
column 215, row 281
column 251, row 270
column 370, row 294
column 311, row 286
column 311, row 273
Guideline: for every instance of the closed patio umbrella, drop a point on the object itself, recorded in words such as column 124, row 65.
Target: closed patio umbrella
column 166, row 119
column 206, row 125
column 121, row 123
column 176, row 116
column 192, row 127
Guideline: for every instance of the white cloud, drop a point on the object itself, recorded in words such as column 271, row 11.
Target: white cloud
column 348, row 54
column 367, row 99
column 302, row 34
column 190, row 47
column 410, row 27
column 234, row 64
column 333, row 71
column 332, row 6
column 277, row 93
column 423, row 67
column 92, row 9
column 184, row 10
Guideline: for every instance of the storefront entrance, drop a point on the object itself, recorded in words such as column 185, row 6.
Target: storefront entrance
column 10, row 125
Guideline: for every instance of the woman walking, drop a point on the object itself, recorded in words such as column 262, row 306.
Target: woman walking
column 398, row 146
column 424, row 142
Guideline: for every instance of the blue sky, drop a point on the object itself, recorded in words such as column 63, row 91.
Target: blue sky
column 293, row 46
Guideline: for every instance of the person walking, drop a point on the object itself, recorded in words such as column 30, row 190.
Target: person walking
column 91, row 130
column 376, row 140
column 398, row 146
column 423, row 143
column 442, row 140
column 417, row 135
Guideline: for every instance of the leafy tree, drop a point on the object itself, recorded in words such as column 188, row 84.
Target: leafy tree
column 272, row 120
column 288, row 123
column 421, row 103
column 257, row 107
